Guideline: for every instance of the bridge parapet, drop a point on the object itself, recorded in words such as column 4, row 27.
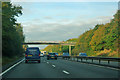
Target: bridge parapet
column 50, row 43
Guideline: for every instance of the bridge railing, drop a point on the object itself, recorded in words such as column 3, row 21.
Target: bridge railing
column 111, row 62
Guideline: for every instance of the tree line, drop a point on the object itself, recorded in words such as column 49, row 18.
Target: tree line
column 100, row 41
column 12, row 32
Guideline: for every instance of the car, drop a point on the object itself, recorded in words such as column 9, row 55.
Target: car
column 51, row 56
column 56, row 54
column 32, row 54
column 41, row 54
column 66, row 54
column 82, row 54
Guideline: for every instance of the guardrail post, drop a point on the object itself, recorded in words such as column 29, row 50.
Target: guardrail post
column 73, row 58
column 86, row 60
column 92, row 60
column 108, row 62
column 68, row 58
column 81, row 59
column 77, row 59
column 99, row 61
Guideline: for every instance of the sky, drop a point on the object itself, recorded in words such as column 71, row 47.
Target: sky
column 63, row 0
column 60, row 21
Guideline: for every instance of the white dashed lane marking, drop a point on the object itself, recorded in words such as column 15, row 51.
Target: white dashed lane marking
column 65, row 72
column 53, row 66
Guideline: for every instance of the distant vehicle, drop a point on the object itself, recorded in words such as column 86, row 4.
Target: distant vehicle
column 82, row 54
column 66, row 54
column 51, row 56
column 56, row 54
column 41, row 54
column 32, row 54
column 44, row 52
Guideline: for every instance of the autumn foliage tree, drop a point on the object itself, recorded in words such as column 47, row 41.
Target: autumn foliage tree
column 102, row 40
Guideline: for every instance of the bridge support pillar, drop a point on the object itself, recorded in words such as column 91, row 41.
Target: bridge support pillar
column 70, row 50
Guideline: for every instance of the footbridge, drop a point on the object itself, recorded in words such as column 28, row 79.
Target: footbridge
column 51, row 43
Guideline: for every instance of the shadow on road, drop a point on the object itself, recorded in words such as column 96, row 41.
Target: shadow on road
column 32, row 62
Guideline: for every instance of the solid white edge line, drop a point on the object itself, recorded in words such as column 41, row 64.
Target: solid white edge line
column 11, row 67
column 65, row 72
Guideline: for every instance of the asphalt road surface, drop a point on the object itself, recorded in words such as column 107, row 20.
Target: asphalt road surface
column 60, row 69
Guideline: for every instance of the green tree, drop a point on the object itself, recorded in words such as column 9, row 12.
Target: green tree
column 12, row 34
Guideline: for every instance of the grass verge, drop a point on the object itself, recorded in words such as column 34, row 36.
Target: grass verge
column 7, row 60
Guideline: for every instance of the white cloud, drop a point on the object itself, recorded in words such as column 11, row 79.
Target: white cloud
column 55, row 31
column 48, row 17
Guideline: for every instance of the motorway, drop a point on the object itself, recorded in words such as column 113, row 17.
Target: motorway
column 60, row 69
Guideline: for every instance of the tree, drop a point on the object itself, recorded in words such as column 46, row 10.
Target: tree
column 12, row 34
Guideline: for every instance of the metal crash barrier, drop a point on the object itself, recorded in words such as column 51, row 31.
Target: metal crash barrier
column 105, row 61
